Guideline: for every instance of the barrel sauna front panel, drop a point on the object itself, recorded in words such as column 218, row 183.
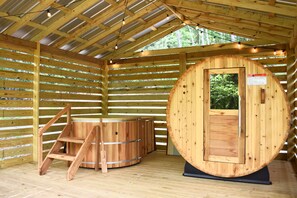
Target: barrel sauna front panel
column 121, row 141
column 245, row 139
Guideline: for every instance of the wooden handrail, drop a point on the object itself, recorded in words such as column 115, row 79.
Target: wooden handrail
column 53, row 120
column 46, row 127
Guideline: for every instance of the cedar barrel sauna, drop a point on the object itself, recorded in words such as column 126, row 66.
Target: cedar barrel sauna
column 126, row 139
column 228, row 141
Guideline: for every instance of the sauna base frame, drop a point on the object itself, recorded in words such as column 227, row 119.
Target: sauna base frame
column 259, row 177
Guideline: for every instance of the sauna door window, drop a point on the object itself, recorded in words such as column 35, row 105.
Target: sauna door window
column 224, row 115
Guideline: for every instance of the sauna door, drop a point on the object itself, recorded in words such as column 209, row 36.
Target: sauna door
column 224, row 115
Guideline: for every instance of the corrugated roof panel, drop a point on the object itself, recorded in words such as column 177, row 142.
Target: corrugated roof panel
column 88, row 50
column 30, row 34
column 140, row 34
column 156, row 12
column 130, row 26
column 50, row 39
column 72, row 25
column 96, row 9
column 18, row 7
column 138, row 5
column 43, row 19
column 4, row 24
column 118, row 17
column 70, row 46
column 89, row 34
column 107, row 39
column 23, row 31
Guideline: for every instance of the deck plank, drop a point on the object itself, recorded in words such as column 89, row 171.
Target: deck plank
column 156, row 176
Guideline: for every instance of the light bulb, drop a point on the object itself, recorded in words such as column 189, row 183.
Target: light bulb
column 167, row 18
column 254, row 49
column 124, row 22
column 116, row 46
column 183, row 23
column 110, row 61
column 197, row 27
column 239, row 45
column 48, row 13
column 274, row 52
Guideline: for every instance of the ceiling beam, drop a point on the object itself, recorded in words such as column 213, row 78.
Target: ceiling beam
column 246, row 44
column 147, row 39
column 95, row 22
column 277, row 31
column 28, row 17
column 243, row 14
column 117, row 27
column 41, row 27
column 2, row 2
column 233, row 29
column 262, row 6
column 82, row 6
column 130, row 34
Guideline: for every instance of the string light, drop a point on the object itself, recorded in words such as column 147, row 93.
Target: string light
column 48, row 13
column 239, row 45
column 123, row 22
column 283, row 52
column 274, row 52
column 183, row 23
column 167, row 18
column 197, row 27
column 110, row 61
column 254, row 49
column 116, row 46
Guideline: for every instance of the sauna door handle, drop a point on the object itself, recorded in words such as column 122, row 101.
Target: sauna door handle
column 239, row 116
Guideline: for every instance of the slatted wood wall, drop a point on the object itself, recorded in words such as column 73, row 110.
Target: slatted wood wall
column 136, row 87
column 67, row 81
column 16, row 92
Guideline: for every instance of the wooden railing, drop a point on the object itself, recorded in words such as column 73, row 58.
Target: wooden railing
column 67, row 110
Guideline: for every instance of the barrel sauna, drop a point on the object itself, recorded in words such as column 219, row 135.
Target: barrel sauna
column 228, row 137
column 125, row 140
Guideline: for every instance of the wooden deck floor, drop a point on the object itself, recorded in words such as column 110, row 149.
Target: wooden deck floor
column 156, row 176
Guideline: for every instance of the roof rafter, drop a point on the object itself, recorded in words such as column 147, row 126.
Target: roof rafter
column 130, row 34
column 2, row 2
column 281, row 32
column 26, row 19
column 83, row 5
column 147, row 39
column 117, row 27
column 262, row 6
column 247, row 15
column 95, row 22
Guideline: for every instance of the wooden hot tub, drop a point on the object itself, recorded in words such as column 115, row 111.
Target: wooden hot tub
column 126, row 140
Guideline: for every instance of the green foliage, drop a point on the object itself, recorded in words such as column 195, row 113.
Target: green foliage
column 224, row 91
column 189, row 36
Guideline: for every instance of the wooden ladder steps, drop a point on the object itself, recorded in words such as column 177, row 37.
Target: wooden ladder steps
column 62, row 156
column 72, row 140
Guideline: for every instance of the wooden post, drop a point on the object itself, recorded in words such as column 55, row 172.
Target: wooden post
column 36, row 154
column 182, row 63
column 292, row 95
column 105, row 90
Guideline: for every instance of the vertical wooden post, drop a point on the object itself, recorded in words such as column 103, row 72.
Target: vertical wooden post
column 171, row 150
column 182, row 63
column 105, row 90
column 292, row 96
column 37, row 156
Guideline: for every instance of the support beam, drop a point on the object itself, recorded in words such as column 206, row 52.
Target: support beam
column 116, row 27
column 262, row 6
column 105, row 89
column 292, row 96
column 36, row 155
column 182, row 63
column 243, row 14
column 82, row 6
column 214, row 47
column 145, row 40
column 28, row 17
column 128, row 35
column 2, row 2
column 95, row 22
